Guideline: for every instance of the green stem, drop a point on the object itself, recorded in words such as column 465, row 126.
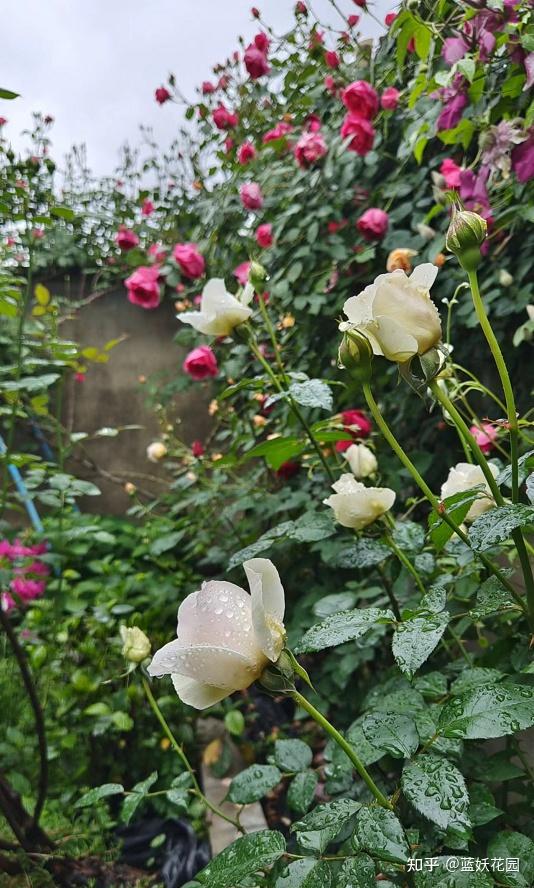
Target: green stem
column 431, row 497
column 504, row 377
column 346, row 747
column 517, row 534
column 183, row 758
column 405, row 561
column 294, row 407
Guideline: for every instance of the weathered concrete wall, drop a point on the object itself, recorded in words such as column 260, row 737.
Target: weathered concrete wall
column 112, row 396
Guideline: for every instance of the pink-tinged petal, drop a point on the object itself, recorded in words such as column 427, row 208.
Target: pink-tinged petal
column 268, row 605
column 207, row 664
column 196, row 693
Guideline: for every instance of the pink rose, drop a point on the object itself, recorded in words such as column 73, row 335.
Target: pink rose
column 523, row 159
column 251, row 196
column 331, row 58
column 360, row 3
column 255, row 57
column 451, row 173
column 3, row 121
column 191, row 262
column 484, row 436
column 390, row 98
column 255, row 12
column 309, row 149
column 224, row 119
column 330, row 85
column 157, row 252
column 228, row 144
column 373, row 224
column 390, row 18
column 27, row 589
column 126, row 239
column 197, row 449
column 147, row 208
column 201, row 363
column 241, row 272
column 245, row 153
column 261, row 41
column 208, row 87
column 278, row 132
column 143, row 286
column 264, row 235
column 361, row 132
column 301, row 8
column 162, row 95
column 353, row 20
column 360, row 98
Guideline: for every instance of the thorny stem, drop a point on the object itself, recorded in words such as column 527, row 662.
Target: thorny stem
column 517, row 535
column 433, row 500
column 345, row 746
column 183, row 758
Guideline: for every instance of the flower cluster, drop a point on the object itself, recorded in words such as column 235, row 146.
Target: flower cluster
column 28, row 572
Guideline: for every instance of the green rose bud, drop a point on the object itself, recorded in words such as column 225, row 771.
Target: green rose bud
column 355, row 355
column 135, row 645
column 467, row 231
column 257, row 277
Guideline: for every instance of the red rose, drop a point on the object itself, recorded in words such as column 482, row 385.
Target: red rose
column 264, row 235
column 201, row 363
column 197, row 449
column 331, row 58
column 309, row 149
column 390, row 98
column 241, row 272
column 191, row 262
column 147, row 208
column 373, row 224
column 162, row 95
column 357, row 425
column 390, row 18
column 245, row 153
column 251, row 196
column 224, row 119
column 361, row 132
column 360, row 98
column 208, row 87
column 301, row 8
column 278, row 132
column 353, row 20
column 126, row 239
column 255, row 57
column 143, row 286
column 287, row 470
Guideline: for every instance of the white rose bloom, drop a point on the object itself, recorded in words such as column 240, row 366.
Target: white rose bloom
column 465, row 476
column 396, row 313
column 356, row 505
column 361, row 460
column 135, row 644
column 225, row 637
column 156, row 451
column 219, row 311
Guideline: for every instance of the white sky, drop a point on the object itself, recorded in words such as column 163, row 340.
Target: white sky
column 94, row 64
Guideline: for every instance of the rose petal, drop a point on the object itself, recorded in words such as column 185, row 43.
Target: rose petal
column 196, row 693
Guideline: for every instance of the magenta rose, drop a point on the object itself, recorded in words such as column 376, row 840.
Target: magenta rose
column 264, row 235
column 162, row 95
column 251, row 196
column 331, row 58
column 309, row 149
column 360, row 98
column 373, row 224
column 147, row 208
column 484, row 436
column 451, row 173
column 523, row 159
column 197, row 449
column 241, row 272
column 208, row 87
column 157, row 252
column 223, row 118
column 390, row 98
column 191, row 262
column 201, row 363
column 277, row 132
column 361, row 132
column 126, row 239
column 245, row 153
column 357, row 425
column 143, row 286
column 256, row 62
column 352, row 20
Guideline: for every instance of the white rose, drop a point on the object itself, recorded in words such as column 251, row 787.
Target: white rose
column 135, row 644
column 361, row 460
column 225, row 637
column 156, row 451
column 356, row 505
column 219, row 311
column 465, row 476
column 396, row 314
column 505, row 278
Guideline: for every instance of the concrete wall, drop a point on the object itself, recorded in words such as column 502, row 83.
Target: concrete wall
column 112, row 396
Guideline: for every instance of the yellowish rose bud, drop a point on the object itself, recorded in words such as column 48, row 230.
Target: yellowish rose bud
column 400, row 258
column 130, row 488
column 287, row 321
column 505, row 278
column 156, row 451
column 466, row 234
column 259, row 421
column 213, row 407
column 135, row 645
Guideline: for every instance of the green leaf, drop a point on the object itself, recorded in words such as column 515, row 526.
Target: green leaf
column 99, row 792
column 234, row 722
column 277, row 451
column 409, row 536
column 302, row 791
column 312, row 393
column 482, row 808
column 423, row 40
column 493, row 597
column 445, row 875
column 380, row 833
column 245, row 856
column 415, row 639
column 8, row 94
column 467, row 66
column 320, row 827
column 253, row 783
column 333, row 604
column 42, row 294
column 459, row 135
column 457, row 506
column 392, row 732
column 308, row 873
column 437, row 789
column 63, row 213
column 497, row 525
column 342, row 627
column 508, row 845
column 357, row 872
column 166, row 542
column 30, row 383
column 475, row 677
column 292, row 755
column 364, row 553
column 490, row 711
column 139, row 792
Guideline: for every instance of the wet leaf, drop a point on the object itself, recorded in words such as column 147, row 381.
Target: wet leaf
column 491, row 711
column 242, row 858
column 252, row 783
column 437, row 789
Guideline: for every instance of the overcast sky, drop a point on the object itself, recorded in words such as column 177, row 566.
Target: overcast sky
column 94, row 64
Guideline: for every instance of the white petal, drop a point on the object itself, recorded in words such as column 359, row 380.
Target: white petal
column 268, row 605
column 424, row 275
column 247, row 295
column 208, row 664
column 213, row 295
column 397, row 344
column 359, row 309
column 218, row 615
column 198, row 320
column 197, row 694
